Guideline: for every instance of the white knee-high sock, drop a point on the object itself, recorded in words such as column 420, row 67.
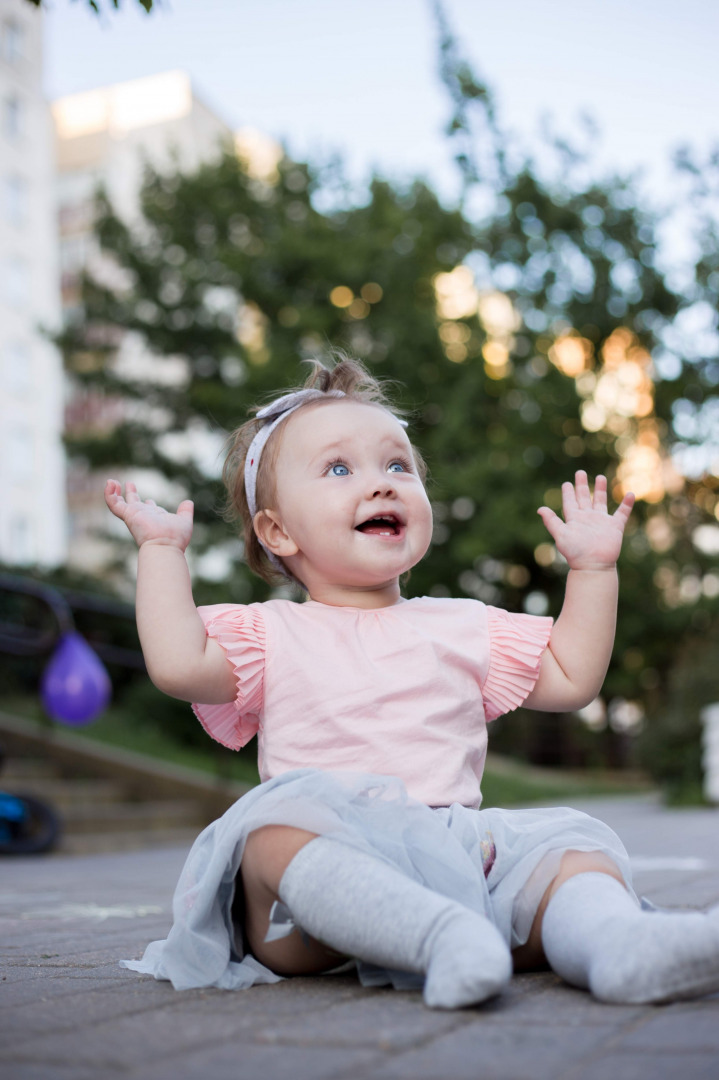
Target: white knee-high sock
column 595, row 936
column 368, row 910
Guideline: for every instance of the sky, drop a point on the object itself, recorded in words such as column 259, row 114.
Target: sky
column 359, row 77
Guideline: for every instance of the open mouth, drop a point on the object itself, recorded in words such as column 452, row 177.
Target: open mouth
column 382, row 525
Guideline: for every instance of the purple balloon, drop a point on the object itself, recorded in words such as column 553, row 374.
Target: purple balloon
column 75, row 686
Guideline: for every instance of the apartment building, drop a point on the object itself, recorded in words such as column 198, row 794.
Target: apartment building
column 33, row 521
column 104, row 137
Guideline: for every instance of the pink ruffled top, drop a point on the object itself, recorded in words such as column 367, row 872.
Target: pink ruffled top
column 403, row 691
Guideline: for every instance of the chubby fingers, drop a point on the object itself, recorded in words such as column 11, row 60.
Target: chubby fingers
column 569, row 498
column 625, row 508
column 114, row 487
column 115, row 500
column 113, row 497
column 578, row 495
column 551, row 521
column 600, row 493
column 581, row 488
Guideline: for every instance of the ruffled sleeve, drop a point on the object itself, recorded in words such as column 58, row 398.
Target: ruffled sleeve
column 516, row 646
column 241, row 633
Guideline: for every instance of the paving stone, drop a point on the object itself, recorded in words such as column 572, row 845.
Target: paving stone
column 242, row 1062
column 188, row 1038
column 546, row 998
column 116, row 1027
column 22, row 992
column 69, row 1012
column 385, row 1019
column 678, row 1028
column 56, row 1013
column 622, row 1066
column 286, row 998
column 28, row 1070
column 501, row 1052
column 704, row 890
column 146, row 1037
column 83, row 946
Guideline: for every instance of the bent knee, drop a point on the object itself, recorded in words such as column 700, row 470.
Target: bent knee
column 268, row 852
column 586, row 862
column 531, row 955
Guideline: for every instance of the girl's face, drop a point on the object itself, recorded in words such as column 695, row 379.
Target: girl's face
column 352, row 514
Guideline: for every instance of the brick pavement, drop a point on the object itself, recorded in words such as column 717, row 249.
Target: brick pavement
column 68, row 1012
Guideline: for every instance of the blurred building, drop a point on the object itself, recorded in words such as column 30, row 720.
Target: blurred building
column 32, row 481
column 105, row 137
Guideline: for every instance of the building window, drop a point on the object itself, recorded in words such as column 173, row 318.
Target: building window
column 74, row 252
column 16, row 283
column 17, row 365
column 22, row 541
column 15, row 200
column 13, row 119
column 77, row 188
column 21, row 454
column 13, row 41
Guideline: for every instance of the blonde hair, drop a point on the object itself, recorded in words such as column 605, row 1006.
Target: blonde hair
column 348, row 376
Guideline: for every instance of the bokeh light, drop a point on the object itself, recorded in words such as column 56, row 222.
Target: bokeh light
column 341, row 296
column 618, row 398
column 359, row 309
column 372, row 292
column 572, row 354
column 251, row 332
column 456, row 293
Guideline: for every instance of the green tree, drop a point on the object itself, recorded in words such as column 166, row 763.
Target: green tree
column 586, row 257
column 527, row 327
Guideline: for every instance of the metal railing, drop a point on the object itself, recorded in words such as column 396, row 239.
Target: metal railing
column 26, row 639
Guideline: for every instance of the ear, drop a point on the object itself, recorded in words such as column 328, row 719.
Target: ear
column 271, row 532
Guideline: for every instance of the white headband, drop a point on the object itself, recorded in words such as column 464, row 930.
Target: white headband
column 274, row 414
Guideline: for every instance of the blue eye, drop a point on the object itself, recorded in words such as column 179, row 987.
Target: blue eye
column 338, row 469
column 398, row 466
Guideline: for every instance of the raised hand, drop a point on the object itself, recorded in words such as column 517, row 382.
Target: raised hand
column 146, row 520
column 589, row 538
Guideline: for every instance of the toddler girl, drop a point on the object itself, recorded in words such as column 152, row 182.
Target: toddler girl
column 365, row 840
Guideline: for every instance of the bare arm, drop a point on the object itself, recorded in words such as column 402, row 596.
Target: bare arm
column 575, row 662
column 181, row 660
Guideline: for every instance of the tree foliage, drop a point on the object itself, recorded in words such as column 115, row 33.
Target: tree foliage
column 529, row 329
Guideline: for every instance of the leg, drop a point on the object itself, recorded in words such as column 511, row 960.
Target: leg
column 267, row 854
column 597, row 937
column 361, row 906
column 530, row 956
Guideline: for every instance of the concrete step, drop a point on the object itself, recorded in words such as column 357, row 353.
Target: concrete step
column 64, row 794
column 21, row 768
column 132, row 840
column 109, row 799
column 119, row 817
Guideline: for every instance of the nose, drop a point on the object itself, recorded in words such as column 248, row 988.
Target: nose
column 384, row 488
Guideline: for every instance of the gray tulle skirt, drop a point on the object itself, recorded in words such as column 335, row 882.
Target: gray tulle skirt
column 496, row 862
